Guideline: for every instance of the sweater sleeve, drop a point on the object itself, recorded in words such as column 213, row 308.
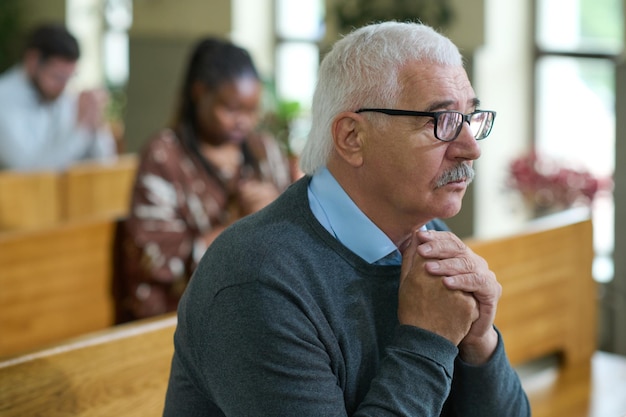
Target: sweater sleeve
column 265, row 356
column 492, row 389
column 414, row 378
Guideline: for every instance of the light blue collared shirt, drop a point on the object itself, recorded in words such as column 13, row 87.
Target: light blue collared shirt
column 37, row 135
column 336, row 211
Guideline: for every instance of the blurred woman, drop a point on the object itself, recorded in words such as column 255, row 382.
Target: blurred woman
column 195, row 178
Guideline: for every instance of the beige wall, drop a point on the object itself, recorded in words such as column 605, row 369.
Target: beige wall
column 468, row 28
column 180, row 18
column 156, row 66
column 40, row 10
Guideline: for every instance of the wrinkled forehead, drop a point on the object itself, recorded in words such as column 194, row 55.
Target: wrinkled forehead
column 435, row 86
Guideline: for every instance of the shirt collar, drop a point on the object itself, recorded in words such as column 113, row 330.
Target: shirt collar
column 336, row 211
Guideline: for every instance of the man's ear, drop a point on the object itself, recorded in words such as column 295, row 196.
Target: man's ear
column 31, row 61
column 348, row 137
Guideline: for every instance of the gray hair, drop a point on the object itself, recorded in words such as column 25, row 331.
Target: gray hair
column 362, row 70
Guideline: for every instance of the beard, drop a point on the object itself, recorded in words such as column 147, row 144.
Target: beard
column 44, row 96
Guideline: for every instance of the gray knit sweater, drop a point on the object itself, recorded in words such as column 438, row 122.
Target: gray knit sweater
column 280, row 319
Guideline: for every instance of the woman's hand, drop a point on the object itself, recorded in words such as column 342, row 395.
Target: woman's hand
column 253, row 195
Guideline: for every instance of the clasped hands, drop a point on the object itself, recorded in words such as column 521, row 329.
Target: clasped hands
column 92, row 108
column 449, row 290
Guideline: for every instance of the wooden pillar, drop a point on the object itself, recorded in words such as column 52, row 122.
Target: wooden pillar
column 614, row 306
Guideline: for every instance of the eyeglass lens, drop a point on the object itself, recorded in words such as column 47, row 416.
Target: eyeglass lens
column 449, row 124
column 480, row 124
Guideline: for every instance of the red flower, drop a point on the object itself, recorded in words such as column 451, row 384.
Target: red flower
column 546, row 183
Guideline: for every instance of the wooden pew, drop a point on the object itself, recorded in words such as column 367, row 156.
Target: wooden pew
column 548, row 303
column 122, row 371
column 590, row 389
column 95, row 188
column 55, row 283
column 29, row 199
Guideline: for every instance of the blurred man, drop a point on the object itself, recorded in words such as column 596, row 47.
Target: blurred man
column 42, row 125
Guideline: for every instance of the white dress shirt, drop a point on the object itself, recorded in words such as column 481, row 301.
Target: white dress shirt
column 37, row 135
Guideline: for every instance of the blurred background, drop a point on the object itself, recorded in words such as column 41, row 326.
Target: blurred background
column 552, row 69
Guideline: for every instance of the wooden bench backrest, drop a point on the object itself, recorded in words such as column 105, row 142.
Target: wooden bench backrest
column 55, row 283
column 119, row 372
column 548, row 303
column 98, row 188
column 29, row 199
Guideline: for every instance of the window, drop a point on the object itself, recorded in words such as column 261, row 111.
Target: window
column 298, row 29
column 577, row 45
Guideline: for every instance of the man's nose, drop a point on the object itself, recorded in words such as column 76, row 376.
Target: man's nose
column 466, row 146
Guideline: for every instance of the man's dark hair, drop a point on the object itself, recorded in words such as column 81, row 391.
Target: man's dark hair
column 53, row 40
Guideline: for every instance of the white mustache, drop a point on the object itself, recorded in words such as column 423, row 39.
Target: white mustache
column 459, row 172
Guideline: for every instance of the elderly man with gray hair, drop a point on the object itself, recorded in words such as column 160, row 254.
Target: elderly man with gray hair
column 348, row 296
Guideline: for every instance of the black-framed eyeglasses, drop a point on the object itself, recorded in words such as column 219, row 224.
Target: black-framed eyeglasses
column 448, row 123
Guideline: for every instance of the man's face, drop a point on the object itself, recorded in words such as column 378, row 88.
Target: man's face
column 403, row 162
column 50, row 77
